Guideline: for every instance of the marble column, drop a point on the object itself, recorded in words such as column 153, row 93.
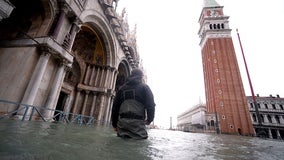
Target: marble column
column 269, row 133
column 62, row 16
column 87, row 74
column 72, row 34
column 107, row 77
column 110, row 109
column 114, row 80
column 102, row 78
column 55, row 90
column 69, row 101
column 91, row 81
column 97, row 77
column 85, row 102
column 107, row 106
column 102, row 108
column 278, row 134
column 33, row 86
column 75, row 106
column 93, row 104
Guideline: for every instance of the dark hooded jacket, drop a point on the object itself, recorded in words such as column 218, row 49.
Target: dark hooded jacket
column 134, row 89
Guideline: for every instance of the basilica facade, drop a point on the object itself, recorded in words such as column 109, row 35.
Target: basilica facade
column 64, row 55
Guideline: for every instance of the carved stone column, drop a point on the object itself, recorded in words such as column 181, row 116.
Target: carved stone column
column 278, row 134
column 269, row 133
column 93, row 104
column 114, row 80
column 55, row 90
column 102, row 108
column 96, row 83
column 107, row 77
column 107, row 106
column 75, row 106
column 69, row 101
column 87, row 74
column 101, row 84
column 91, row 82
column 62, row 16
column 33, row 86
column 70, row 37
column 110, row 109
column 85, row 102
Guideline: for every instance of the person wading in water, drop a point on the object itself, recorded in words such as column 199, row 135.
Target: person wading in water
column 133, row 107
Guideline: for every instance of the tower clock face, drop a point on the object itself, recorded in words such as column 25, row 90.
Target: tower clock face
column 213, row 13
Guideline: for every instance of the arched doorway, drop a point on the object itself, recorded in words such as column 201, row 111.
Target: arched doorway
column 91, row 78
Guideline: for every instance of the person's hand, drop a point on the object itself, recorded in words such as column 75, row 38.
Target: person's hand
column 115, row 129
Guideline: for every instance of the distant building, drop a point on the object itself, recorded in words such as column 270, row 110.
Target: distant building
column 192, row 120
column 271, row 111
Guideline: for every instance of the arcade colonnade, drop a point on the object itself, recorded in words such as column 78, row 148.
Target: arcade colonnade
column 65, row 55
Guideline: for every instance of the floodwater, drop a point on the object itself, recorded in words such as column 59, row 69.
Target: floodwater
column 51, row 141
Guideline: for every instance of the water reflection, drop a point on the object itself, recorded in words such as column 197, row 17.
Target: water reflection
column 42, row 140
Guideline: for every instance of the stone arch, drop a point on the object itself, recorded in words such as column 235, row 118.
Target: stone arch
column 96, row 21
column 30, row 18
column 90, row 46
column 123, row 73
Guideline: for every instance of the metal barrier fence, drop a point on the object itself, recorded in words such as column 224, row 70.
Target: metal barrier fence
column 59, row 116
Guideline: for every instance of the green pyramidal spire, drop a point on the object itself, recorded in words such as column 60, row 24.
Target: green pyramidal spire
column 210, row 3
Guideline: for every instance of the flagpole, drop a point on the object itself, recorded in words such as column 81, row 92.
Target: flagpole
column 250, row 84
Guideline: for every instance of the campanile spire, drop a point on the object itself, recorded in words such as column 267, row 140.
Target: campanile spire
column 210, row 3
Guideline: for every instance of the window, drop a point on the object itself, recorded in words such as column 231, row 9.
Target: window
column 262, row 118
column 273, row 106
column 266, row 106
column 218, row 26
column 218, row 81
column 212, row 123
column 281, row 106
column 254, row 117
column 269, row 118
column 277, row 119
column 251, row 105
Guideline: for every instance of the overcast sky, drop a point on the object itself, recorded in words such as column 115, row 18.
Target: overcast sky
column 168, row 44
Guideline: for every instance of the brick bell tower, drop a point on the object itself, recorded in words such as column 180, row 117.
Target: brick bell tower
column 225, row 96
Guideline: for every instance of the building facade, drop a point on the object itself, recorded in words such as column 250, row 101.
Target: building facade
column 192, row 120
column 225, row 96
column 271, row 111
column 64, row 55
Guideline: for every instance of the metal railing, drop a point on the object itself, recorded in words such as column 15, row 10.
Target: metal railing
column 30, row 111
